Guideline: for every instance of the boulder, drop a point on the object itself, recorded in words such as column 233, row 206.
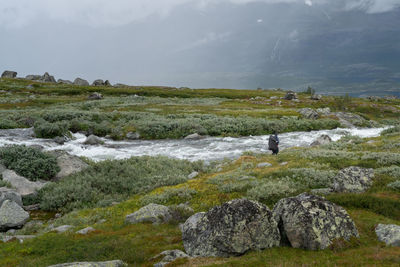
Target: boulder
column 12, row 216
column 33, row 77
column 153, row 213
column 60, row 81
column 264, row 164
column 116, row 263
column 322, row 140
column 93, row 140
column 9, row 74
column 10, row 194
column 311, row 222
column 81, row 82
column 388, row 233
column 85, row 231
column 353, row 180
column 169, row 256
column 316, row 97
column 95, row 96
column 98, row 82
column 290, row 95
column 107, row 83
column 194, row 136
column 193, row 175
column 47, row 78
column 309, row 113
column 23, row 186
column 62, row 228
column 68, row 163
column 231, row 229
column 324, row 111
column 349, row 119
column 132, row 136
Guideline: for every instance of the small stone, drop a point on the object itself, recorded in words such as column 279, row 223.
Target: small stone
column 115, row 263
column 62, row 228
column 85, row 231
column 194, row 136
column 284, row 163
column 95, row 96
column 93, row 140
column 193, row 175
column 132, row 136
column 264, row 164
column 153, row 213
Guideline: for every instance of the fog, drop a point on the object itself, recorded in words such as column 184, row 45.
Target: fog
column 330, row 45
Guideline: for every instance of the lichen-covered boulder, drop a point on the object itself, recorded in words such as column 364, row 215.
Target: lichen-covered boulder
column 231, row 229
column 388, row 233
column 12, row 216
column 322, row 140
column 311, row 222
column 10, row 194
column 9, row 74
column 153, row 213
column 353, row 180
column 116, row 263
column 169, row 256
column 309, row 113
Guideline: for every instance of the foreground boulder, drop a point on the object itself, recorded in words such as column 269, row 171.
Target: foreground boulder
column 81, row 82
column 309, row 113
column 353, row 180
column 12, row 216
column 153, row 213
column 9, row 74
column 322, row 140
column 116, row 263
column 23, row 186
column 388, row 233
column 10, row 194
column 311, row 222
column 231, row 229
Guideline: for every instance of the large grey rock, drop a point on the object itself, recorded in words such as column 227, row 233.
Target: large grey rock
column 153, row 213
column 47, row 78
column 324, row 111
column 311, row 222
column 322, row 140
column 93, row 140
column 81, row 82
column 68, row 164
column 290, row 95
column 10, row 194
column 33, row 77
column 23, row 186
column 95, row 96
column 116, row 263
column 349, row 119
column 353, row 180
column 9, row 74
column 231, row 229
column 12, row 215
column 169, row 256
column 388, row 233
column 309, row 113
column 64, row 81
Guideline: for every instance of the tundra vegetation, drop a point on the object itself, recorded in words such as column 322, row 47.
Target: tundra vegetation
column 103, row 194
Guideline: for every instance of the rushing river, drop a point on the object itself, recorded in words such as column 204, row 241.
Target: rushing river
column 208, row 149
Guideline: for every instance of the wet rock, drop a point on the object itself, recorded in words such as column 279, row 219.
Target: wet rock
column 264, row 164
column 33, row 77
column 9, row 74
column 85, row 231
column 81, row 82
column 60, row 140
column 61, row 81
column 388, row 233
column 68, row 163
column 62, row 228
column 311, row 222
column 23, row 186
column 231, row 229
column 322, row 140
column 153, row 213
column 353, row 180
column 47, row 78
column 132, row 136
column 98, row 82
column 290, row 95
column 316, row 97
column 309, row 113
column 12, row 216
column 93, row 140
column 169, row 256
column 95, row 96
column 193, row 175
column 194, row 136
column 324, row 111
column 116, row 263
column 10, row 194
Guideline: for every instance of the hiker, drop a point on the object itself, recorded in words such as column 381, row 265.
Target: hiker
column 273, row 143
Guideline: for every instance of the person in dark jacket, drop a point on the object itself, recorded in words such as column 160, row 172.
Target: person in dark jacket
column 273, row 143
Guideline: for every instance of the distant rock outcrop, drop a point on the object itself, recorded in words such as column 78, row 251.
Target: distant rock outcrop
column 33, row 77
column 47, row 78
column 231, row 229
column 81, row 82
column 9, row 74
column 311, row 222
column 353, row 180
column 60, row 81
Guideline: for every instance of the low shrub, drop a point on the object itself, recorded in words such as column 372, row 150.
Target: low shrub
column 392, row 130
column 114, row 180
column 395, row 185
column 177, row 195
column 273, row 190
column 29, row 162
column 44, row 129
column 392, row 171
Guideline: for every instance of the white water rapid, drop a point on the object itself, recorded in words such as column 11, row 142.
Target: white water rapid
column 208, row 149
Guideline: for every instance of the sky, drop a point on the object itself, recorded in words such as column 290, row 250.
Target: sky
column 196, row 43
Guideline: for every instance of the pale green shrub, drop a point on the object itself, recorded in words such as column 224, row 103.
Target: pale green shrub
column 393, row 171
column 171, row 194
column 271, row 191
column 395, row 185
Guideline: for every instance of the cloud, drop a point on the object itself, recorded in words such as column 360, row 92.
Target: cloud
column 373, row 6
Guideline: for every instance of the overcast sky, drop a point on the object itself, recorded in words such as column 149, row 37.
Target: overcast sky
column 170, row 42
